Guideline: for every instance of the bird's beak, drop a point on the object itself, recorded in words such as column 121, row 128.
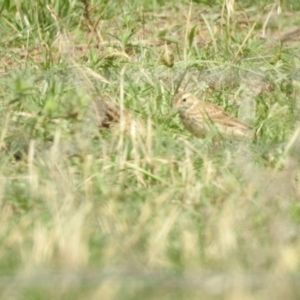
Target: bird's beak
column 174, row 105
column 175, row 102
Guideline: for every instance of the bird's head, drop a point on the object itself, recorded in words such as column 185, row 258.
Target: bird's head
column 183, row 101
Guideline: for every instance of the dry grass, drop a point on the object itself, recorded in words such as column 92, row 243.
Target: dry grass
column 141, row 209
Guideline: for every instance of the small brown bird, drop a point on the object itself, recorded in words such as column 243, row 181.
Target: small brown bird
column 201, row 118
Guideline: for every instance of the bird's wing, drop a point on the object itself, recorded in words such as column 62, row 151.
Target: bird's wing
column 218, row 115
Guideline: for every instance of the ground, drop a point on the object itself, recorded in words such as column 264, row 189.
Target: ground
column 142, row 209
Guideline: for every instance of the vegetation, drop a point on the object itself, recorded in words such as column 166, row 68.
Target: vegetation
column 149, row 212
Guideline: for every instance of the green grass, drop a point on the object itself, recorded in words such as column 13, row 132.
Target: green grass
column 153, row 213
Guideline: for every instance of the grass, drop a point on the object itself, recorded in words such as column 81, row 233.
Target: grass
column 153, row 212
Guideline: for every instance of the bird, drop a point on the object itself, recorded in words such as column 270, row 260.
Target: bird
column 108, row 113
column 202, row 118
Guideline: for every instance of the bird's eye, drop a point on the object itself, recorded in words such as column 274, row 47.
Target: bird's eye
column 184, row 99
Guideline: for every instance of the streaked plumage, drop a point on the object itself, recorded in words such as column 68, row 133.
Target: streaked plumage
column 201, row 117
